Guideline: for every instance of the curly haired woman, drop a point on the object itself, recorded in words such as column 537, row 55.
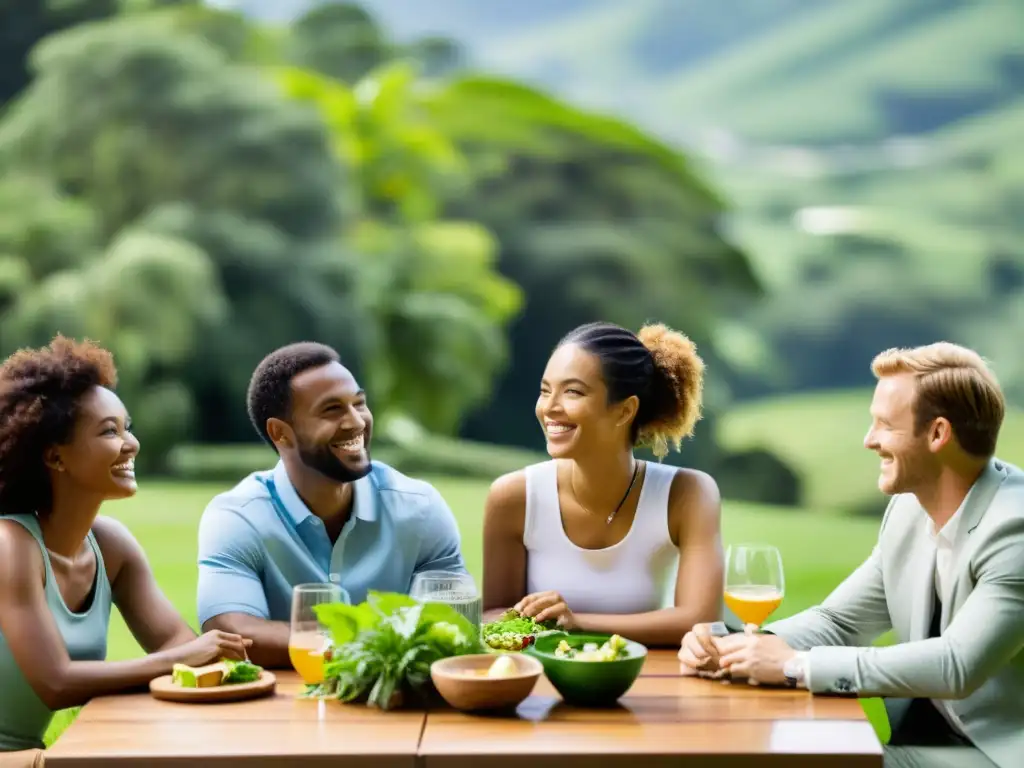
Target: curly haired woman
column 597, row 538
column 66, row 447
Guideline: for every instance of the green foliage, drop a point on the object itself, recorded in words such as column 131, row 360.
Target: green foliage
column 758, row 475
column 439, row 455
column 382, row 649
column 438, row 303
column 207, row 462
column 590, row 214
column 23, row 23
column 214, row 196
column 424, row 454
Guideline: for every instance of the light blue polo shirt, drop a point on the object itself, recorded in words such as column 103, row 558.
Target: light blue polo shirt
column 259, row 540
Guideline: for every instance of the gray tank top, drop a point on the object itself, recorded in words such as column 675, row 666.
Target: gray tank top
column 24, row 718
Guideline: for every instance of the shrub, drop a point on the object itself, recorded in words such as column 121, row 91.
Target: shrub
column 435, row 455
column 758, row 475
column 219, row 463
column 429, row 455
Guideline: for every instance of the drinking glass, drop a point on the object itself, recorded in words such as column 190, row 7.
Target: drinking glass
column 754, row 581
column 449, row 588
column 309, row 638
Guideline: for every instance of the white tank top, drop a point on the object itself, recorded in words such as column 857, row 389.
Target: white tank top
column 633, row 576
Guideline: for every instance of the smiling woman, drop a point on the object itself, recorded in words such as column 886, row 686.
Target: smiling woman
column 65, row 448
column 595, row 538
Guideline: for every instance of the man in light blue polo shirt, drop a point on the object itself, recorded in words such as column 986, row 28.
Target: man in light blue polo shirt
column 325, row 512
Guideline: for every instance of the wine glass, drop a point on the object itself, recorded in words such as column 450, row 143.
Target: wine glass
column 309, row 638
column 449, row 588
column 754, row 582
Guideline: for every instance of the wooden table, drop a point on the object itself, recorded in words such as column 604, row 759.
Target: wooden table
column 279, row 730
column 663, row 717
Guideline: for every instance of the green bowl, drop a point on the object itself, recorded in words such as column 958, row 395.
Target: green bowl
column 588, row 683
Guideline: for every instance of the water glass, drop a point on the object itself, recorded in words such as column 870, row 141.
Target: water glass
column 449, row 588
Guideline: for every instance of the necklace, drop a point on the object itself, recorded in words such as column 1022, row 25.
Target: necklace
column 608, row 520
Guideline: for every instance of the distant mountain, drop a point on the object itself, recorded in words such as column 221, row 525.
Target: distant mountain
column 788, row 71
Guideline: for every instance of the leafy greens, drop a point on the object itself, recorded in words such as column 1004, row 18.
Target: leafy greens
column 240, row 672
column 514, row 632
column 383, row 648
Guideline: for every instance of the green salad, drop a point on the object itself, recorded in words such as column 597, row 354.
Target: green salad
column 514, row 632
column 610, row 650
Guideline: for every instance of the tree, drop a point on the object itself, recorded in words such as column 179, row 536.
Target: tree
column 596, row 220
column 208, row 205
column 439, row 308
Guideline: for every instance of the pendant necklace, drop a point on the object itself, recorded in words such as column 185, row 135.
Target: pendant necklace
column 608, row 520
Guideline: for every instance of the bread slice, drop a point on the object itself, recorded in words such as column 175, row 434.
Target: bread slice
column 208, row 676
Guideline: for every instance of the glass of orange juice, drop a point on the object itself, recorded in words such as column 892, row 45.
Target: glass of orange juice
column 309, row 638
column 754, row 582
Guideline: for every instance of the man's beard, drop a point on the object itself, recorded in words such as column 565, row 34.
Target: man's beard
column 327, row 464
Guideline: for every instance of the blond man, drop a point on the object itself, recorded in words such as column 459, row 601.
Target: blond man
column 947, row 576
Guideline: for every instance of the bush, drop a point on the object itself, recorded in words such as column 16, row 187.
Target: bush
column 429, row 455
column 435, row 455
column 758, row 475
column 219, row 463
column 873, row 507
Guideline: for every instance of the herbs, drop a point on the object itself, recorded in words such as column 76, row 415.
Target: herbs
column 241, row 672
column 383, row 648
column 513, row 632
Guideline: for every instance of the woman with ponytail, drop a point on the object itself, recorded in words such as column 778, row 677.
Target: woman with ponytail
column 596, row 538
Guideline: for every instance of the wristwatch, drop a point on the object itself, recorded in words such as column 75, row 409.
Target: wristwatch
column 795, row 670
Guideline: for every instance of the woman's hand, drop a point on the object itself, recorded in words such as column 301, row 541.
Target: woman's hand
column 210, row 647
column 541, row 606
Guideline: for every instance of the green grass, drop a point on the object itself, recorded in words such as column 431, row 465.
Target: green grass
column 164, row 518
column 821, row 436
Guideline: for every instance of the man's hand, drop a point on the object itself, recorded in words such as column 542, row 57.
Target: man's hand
column 756, row 657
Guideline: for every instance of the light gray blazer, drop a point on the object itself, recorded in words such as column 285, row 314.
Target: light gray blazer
column 978, row 661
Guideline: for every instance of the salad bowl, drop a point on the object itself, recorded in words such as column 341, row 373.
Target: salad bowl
column 589, row 670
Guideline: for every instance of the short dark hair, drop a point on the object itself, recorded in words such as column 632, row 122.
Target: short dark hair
column 270, row 388
column 657, row 365
column 40, row 390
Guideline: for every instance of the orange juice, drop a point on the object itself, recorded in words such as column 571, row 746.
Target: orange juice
column 306, row 651
column 753, row 603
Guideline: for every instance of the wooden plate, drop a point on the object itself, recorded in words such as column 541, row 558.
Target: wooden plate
column 162, row 688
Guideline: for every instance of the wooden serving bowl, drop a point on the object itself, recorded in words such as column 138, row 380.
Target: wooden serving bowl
column 462, row 681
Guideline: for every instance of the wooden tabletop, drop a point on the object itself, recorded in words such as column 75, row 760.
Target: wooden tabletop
column 137, row 730
column 663, row 717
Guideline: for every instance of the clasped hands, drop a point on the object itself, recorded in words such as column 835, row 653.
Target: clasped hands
column 757, row 658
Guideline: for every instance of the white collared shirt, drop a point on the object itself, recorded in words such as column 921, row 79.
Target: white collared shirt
column 945, row 556
column 944, row 540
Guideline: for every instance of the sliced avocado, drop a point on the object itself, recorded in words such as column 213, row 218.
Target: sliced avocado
column 184, row 676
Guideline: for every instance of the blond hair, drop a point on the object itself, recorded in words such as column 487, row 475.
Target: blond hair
column 955, row 383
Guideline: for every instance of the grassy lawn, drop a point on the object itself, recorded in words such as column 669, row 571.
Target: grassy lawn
column 165, row 519
column 821, row 435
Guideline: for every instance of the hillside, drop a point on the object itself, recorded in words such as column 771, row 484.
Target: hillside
column 821, row 436
column 869, row 151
